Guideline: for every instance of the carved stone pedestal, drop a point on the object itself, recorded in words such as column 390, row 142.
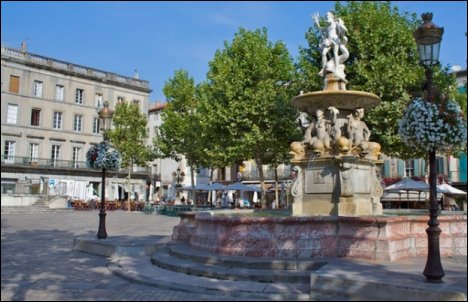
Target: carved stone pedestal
column 342, row 186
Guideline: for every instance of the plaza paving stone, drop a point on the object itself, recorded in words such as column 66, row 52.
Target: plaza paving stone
column 38, row 262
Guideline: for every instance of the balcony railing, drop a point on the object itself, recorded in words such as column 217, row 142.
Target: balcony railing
column 50, row 163
column 49, row 62
column 41, row 162
column 269, row 173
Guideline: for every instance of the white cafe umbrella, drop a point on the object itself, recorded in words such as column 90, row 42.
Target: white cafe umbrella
column 241, row 187
column 448, row 189
column 199, row 187
column 407, row 184
column 216, row 186
column 255, row 197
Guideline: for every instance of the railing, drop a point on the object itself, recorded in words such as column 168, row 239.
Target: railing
column 41, row 162
column 268, row 174
column 49, row 62
column 50, row 163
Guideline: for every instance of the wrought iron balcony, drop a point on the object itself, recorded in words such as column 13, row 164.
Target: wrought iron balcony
column 27, row 162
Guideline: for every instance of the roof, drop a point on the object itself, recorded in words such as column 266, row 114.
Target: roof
column 157, row 106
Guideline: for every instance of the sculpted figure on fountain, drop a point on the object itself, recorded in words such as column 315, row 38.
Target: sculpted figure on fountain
column 333, row 47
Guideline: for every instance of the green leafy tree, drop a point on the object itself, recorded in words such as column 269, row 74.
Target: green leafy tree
column 217, row 153
column 247, row 100
column 181, row 130
column 383, row 60
column 129, row 136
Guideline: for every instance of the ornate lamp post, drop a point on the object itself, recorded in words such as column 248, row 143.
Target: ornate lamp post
column 148, row 187
column 105, row 119
column 178, row 177
column 428, row 37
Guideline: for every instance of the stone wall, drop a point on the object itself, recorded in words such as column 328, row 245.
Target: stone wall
column 371, row 238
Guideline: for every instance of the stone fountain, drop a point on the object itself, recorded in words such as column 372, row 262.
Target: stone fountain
column 336, row 164
column 336, row 210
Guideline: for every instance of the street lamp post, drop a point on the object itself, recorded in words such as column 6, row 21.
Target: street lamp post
column 428, row 37
column 105, row 119
column 148, row 187
column 178, row 177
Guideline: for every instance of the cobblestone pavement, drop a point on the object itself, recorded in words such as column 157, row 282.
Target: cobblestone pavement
column 38, row 262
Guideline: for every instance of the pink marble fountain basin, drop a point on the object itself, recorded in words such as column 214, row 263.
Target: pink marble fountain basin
column 372, row 238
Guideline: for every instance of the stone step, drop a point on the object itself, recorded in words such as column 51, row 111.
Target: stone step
column 138, row 270
column 184, row 251
column 222, row 270
column 33, row 210
column 323, row 288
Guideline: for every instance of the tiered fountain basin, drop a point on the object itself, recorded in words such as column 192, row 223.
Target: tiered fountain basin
column 387, row 238
column 341, row 99
column 338, row 177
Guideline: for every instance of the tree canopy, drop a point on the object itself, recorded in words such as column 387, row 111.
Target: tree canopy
column 129, row 134
column 180, row 131
column 247, row 99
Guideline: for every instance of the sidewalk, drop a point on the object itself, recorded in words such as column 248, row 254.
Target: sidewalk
column 38, row 263
column 340, row 279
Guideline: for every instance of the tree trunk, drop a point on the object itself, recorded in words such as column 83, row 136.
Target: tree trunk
column 129, row 178
column 209, row 183
column 194, row 197
column 262, row 183
column 276, row 188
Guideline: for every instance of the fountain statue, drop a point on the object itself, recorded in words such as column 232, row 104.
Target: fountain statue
column 336, row 210
column 336, row 163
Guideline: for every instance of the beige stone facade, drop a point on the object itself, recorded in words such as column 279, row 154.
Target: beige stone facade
column 49, row 120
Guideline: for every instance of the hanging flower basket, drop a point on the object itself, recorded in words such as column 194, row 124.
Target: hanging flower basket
column 427, row 125
column 103, row 156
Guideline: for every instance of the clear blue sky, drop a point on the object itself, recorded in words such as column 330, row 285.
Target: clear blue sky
column 157, row 38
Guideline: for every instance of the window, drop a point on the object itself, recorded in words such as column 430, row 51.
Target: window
column 57, row 123
column 59, row 92
column 120, row 99
column 96, row 125
column 77, row 123
column 12, row 114
column 136, row 102
column 79, row 96
column 37, row 89
column 99, row 100
column 55, row 154
column 76, row 157
column 14, row 84
column 9, row 152
column 35, row 117
column 33, row 152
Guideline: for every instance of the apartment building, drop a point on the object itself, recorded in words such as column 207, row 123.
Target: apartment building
column 49, row 120
column 164, row 170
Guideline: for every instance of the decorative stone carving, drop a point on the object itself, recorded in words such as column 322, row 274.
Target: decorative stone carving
column 345, row 179
column 336, row 135
column 333, row 49
column 296, row 190
column 298, row 151
column 317, row 135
